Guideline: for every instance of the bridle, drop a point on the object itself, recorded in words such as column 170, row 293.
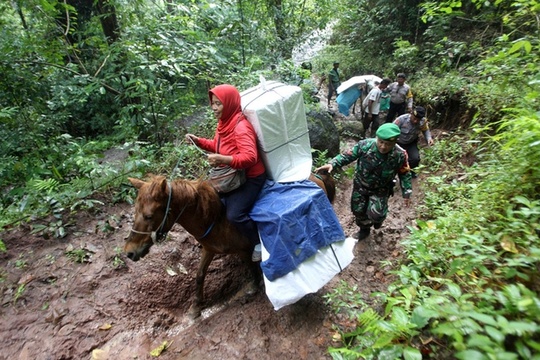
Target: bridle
column 156, row 236
column 159, row 234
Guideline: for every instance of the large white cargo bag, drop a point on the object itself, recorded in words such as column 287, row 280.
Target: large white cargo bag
column 276, row 111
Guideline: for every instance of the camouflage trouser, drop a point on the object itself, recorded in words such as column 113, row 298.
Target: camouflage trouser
column 369, row 207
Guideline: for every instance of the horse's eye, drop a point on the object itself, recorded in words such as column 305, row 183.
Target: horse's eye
column 147, row 217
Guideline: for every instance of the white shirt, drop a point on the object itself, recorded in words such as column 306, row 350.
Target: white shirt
column 375, row 95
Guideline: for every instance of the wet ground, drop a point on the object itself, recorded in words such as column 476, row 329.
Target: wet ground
column 80, row 298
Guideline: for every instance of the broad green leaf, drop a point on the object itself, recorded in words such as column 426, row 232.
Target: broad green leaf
column 399, row 316
column 508, row 244
column 383, row 340
column 410, row 353
column 471, row 355
column 523, row 350
column 519, row 327
column 479, row 341
column 486, row 319
column 534, row 344
column 390, row 353
column 454, row 290
column 494, row 333
column 421, row 316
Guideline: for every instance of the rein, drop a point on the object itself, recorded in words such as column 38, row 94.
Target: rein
column 205, row 153
column 159, row 233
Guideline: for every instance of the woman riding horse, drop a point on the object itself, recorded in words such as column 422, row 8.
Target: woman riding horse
column 235, row 144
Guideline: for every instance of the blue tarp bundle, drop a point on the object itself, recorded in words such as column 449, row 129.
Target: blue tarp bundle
column 294, row 220
column 347, row 98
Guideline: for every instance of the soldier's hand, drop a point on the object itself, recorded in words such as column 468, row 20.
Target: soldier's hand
column 327, row 167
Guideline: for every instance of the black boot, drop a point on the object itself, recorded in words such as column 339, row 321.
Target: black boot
column 363, row 233
column 377, row 225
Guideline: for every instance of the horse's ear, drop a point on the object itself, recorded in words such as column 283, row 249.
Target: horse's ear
column 159, row 188
column 136, row 182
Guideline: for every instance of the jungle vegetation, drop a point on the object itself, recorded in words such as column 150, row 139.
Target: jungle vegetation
column 79, row 78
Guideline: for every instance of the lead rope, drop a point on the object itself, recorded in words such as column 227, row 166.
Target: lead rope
column 204, row 153
column 335, row 256
column 154, row 235
column 196, row 147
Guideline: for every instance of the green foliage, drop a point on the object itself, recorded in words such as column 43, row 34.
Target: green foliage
column 345, row 297
column 469, row 282
column 19, row 292
column 406, row 57
column 117, row 261
column 320, row 158
column 55, row 228
column 470, row 278
column 21, row 263
column 369, row 28
column 78, row 255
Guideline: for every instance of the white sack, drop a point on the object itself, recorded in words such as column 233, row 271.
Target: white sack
column 311, row 275
column 358, row 80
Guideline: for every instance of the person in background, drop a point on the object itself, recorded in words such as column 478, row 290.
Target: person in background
column 410, row 126
column 333, row 82
column 401, row 98
column 235, row 144
column 371, row 105
column 377, row 163
column 385, row 103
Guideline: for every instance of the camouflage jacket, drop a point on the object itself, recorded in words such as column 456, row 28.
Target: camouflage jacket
column 375, row 172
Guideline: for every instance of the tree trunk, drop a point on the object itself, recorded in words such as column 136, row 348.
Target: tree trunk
column 109, row 21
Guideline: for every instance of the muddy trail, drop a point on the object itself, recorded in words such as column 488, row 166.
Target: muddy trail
column 80, row 298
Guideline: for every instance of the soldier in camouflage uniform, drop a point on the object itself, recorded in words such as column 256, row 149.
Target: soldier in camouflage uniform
column 377, row 163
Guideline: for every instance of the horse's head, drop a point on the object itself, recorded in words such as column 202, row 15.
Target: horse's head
column 151, row 216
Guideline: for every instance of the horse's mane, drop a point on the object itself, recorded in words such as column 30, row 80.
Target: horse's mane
column 200, row 193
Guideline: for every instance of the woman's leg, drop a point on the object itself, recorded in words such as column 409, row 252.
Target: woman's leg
column 238, row 204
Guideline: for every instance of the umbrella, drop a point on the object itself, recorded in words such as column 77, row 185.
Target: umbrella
column 358, row 80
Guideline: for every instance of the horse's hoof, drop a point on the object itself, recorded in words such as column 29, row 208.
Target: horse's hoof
column 251, row 289
column 194, row 312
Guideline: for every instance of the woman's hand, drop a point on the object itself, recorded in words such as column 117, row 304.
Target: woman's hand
column 218, row 159
column 190, row 138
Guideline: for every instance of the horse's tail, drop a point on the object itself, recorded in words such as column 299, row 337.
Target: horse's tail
column 329, row 184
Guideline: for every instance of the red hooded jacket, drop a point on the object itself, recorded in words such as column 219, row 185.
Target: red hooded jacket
column 235, row 133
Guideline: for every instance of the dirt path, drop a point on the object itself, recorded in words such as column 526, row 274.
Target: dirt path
column 56, row 308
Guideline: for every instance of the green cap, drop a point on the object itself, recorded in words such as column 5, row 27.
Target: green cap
column 388, row 132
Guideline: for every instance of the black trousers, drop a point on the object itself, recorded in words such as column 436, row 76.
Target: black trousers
column 395, row 110
column 238, row 204
column 413, row 152
column 374, row 122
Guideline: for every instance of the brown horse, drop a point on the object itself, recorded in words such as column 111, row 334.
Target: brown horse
column 196, row 206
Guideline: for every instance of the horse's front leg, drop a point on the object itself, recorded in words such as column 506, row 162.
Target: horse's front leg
column 255, row 272
column 206, row 259
column 256, row 277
